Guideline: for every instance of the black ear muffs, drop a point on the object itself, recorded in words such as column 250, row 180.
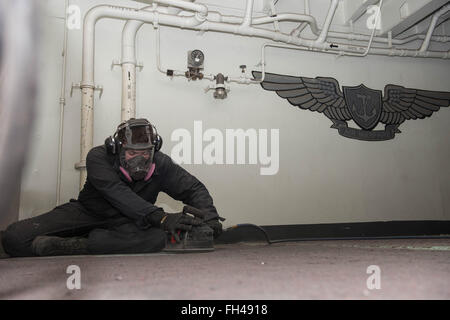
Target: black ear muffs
column 112, row 145
column 158, row 143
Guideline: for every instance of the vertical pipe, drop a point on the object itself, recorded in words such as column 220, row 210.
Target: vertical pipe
column 327, row 24
column 87, row 128
column 297, row 31
column 128, row 109
column 307, row 11
column 62, row 103
column 87, row 90
column 274, row 13
column 248, row 14
column 129, row 62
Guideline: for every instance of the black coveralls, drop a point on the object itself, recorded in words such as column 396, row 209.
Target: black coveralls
column 110, row 209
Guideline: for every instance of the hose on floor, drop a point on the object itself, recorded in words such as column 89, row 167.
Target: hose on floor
column 269, row 241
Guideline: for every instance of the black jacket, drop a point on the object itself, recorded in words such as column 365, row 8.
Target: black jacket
column 108, row 194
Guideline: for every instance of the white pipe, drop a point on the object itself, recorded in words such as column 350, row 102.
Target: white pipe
column 176, row 73
column 201, row 9
column 62, row 103
column 373, row 32
column 433, row 23
column 274, row 13
column 328, row 20
column 250, row 31
column 289, row 17
column 263, row 20
column 248, row 14
column 302, row 26
column 344, row 48
column 376, row 51
column 158, row 52
column 221, row 27
column 362, row 37
column 114, row 12
column 129, row 62
column 128, row 107
column 309, row 20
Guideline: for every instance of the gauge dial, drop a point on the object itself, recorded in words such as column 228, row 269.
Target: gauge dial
column 197, row 57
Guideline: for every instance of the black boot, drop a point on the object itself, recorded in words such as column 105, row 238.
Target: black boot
column 3, row 254
column 56, row 246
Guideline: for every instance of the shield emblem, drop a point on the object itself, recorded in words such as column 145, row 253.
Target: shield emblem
column 364, row 105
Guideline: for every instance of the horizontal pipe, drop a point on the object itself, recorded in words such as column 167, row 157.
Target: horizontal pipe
column 363, row 37
column 197, row 7
column 311, row 21
column 194, row 24
column 114, row 12
column 289, row 17
column 293, row 17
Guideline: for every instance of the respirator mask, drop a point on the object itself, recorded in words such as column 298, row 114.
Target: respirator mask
column 139, row 165
column 137, row 149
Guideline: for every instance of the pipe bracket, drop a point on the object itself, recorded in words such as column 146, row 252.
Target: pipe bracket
column 156, row 20
column 99, row 88
column 76, row 86
column 80, row 165
column 115, row 62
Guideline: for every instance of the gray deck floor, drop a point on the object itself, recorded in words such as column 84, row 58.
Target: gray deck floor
column 410, row 269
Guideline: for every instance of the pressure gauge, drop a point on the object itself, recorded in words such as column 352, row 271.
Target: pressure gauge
column 195, row 59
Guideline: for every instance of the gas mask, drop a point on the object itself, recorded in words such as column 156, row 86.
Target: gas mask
column 138, row 167
column 137, row 149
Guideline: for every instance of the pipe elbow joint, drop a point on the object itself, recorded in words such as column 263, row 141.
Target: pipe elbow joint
column 201, row 16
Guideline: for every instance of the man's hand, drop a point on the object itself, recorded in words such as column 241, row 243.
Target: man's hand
column 211, row 220
column 172, row 222
column 216, row 226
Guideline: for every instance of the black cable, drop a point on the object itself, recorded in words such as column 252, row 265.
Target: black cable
column 269, row 241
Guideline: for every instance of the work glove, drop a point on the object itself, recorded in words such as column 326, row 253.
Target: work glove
column 172, row 222
column 211, row 219
column 216, row 226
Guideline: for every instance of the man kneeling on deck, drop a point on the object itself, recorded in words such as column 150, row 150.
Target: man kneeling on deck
column 115, row 211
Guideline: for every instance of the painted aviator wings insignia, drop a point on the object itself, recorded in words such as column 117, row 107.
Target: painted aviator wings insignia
column 366, row 107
